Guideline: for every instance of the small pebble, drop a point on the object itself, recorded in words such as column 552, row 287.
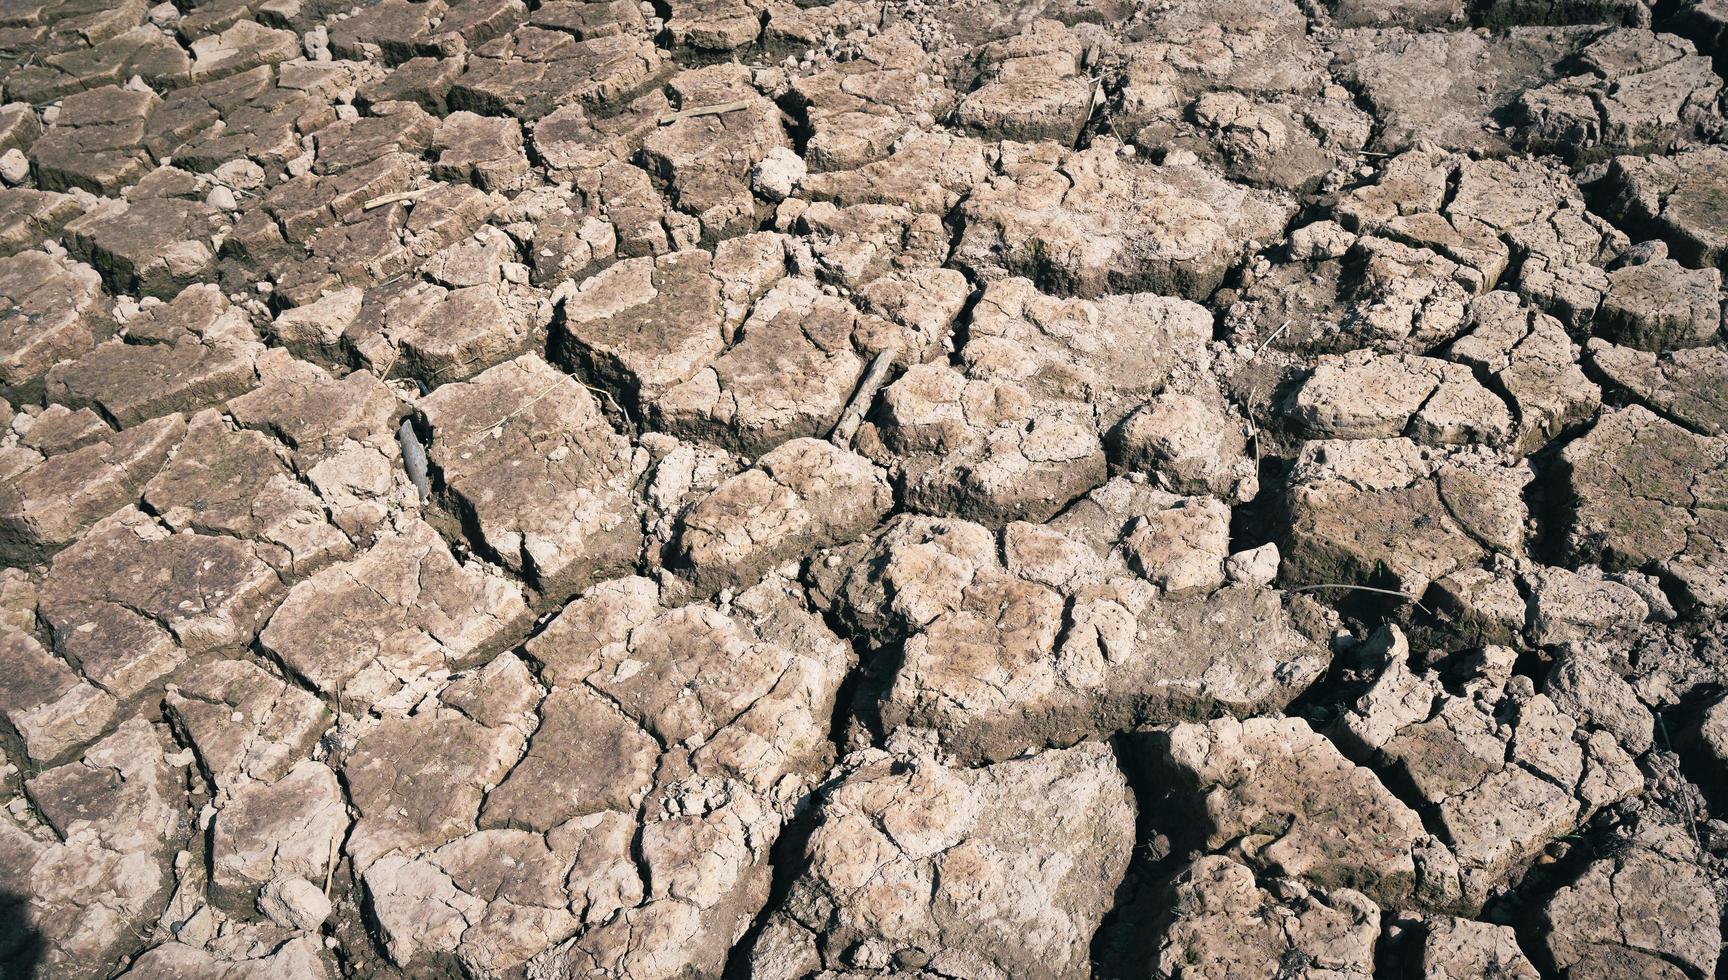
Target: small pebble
column 14, row 167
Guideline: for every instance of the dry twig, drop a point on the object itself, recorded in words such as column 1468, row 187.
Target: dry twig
column 705, row 110
column 379, row 202
column 330, row 866
column 1254, row 395
column 847, row 427
column 1686, row 798
column 1364, row 588
column 525, row 406
column 603, row 393
column 1253, row 427
column 1271, row 337
column 1092, row 95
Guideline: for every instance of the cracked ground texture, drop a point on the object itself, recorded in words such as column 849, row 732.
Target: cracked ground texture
column 942, row 489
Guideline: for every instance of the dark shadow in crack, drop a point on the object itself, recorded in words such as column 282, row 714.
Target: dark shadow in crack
column 788, row 861
column 1123, row 948
column 21, row 945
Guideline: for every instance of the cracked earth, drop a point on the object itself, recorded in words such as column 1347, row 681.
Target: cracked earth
column 942, row 489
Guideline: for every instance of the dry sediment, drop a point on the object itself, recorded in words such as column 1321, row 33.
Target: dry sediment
column 772, row 488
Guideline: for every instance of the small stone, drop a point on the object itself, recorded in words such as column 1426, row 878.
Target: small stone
column 294, row 903
column 778, row 174
column 242, row 175
column 14, row 166
column 1257, row 566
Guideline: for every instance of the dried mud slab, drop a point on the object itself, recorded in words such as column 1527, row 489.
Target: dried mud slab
column 941, row 489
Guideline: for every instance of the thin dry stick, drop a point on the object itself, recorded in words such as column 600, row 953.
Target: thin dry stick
column 1364, row 588
column 853, row 416
column 1691, row 821
column 379, row 202
column 1253, row 428
column 330, row 867
column 1092, row 94
column 1268, row 341
column 706, row 110
column 481, row 434
column 1254, row 396
column 603, row 393
column 390, row 365
column 330, row 862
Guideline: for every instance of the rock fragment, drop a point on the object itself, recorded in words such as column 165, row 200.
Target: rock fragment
column 1222, row 923
column 531, row 71
column 1532, row 361
column 526, row 455
column 131, row 599
column 95, row 142
column 1388, row 511
column 48, row 704
column 1502, row 773
column 193, row 352
column 51, row 309
column 402, row 608
column 706, row 160
column 1087, row 223
column 806, row 492
column 856, row 108
column 983, row 449
column 95, row 859
column 789, row 375
column 1112, row 354
column 485, row 151
column 1190, row 445
column 1250, row 782
column 1684, row 385
column 1443, row 86
column 1364, row 396
column 235, row 482
column 909, row 863
column 1042, row 635
column 1639, row 912
column 155, row 246
column 1032, row 87
column 1453, row 947
column 1668, row 196
column 646, row 325
column 244, row 723
column 1637, row 91
column 1643, row 497
column 271, row 830
column 48, row 505
column 1661, row 305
